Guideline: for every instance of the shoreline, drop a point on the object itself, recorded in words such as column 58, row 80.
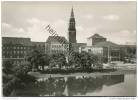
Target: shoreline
column 118, row 72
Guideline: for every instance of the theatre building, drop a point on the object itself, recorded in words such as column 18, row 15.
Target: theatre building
column 98, row 45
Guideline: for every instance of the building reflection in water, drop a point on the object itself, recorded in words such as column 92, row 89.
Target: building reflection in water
column 72, row 86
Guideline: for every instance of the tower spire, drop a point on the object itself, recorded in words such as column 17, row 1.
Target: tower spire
column 72, row 28
column 72, row 13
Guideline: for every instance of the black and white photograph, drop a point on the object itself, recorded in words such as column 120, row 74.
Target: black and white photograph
column 69, row 48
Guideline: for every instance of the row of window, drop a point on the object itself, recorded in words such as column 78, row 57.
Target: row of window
column 115, row 54
column 58, row 51
column 95, row 51
column 59, row 46
column 14, row 52
column 16, row 47
column 11, row 56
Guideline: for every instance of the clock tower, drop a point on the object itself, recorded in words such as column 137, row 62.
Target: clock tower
column 72, row 28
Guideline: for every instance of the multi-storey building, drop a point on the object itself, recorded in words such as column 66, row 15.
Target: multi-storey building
column 96, row 38
column 56, row 44
column 111, row 51
column 40, row 46
column 15, row 49
column 99, row 46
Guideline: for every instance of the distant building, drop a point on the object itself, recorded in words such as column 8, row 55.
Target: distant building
column 108, row 50
column 76, row 46
column 56, row 44
column 96, row 38
column 91, row 49
column 128, row 52
column 111, row 51
column 15, row 49
column 40, row 46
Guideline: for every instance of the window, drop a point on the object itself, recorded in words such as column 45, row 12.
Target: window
column 14, row 52
column 89, row 50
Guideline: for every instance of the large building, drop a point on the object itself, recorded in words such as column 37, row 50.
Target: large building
column 56, row 44
column 98, row 45
column 15, row 49
column 53, row 44
column 96, row 38
column 40, row 46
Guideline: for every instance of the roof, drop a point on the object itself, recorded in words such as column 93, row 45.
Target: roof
column 79, row 44
column 38, row 43
column 106, row 44
column 16, row 40
column 96, row 36
column 130, row 46
column 59, row 39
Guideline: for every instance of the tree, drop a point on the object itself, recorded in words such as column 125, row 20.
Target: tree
column 74, row 59
column 86, row 60
column 61, row 60
column 34, row 59
column 57, row 59
column 7, row 67
column 44, row 60
column 19, row 79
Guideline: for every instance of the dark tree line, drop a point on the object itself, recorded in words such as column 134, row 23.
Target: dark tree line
column 82, row 60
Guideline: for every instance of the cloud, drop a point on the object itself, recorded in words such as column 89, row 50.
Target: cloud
column 84, row 32
column 111, row 17
column 61, row 27
column 33, row 21
column 79, row 28
column 88, row 17
column 5, row 25
column 37, row 31
column 10, row 31
column 121, row 37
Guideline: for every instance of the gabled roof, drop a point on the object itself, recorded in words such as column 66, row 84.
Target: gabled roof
column 16, row 40
column 59, row 39
column 96, row 36
column 106, row 44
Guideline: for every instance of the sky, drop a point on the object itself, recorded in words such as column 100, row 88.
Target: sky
column 114, row 20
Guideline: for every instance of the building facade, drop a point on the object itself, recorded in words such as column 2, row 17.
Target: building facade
column 91, row 49
column 98, row 45
column 40, row 46
column 15, row 49
column 96, row 38
column 56, row 44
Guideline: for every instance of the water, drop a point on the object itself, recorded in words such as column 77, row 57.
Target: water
column 101, row 85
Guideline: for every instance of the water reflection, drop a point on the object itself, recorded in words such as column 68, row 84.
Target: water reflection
column 51, row 86
column 72, row 86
